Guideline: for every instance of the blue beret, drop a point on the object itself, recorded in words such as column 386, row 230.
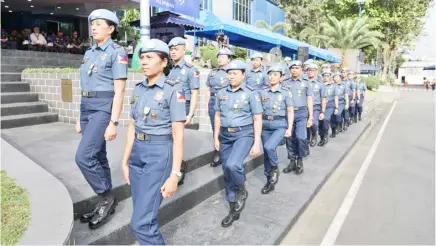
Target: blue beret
column 256, row 55
column 225, row 52
column 336, row 74
column 103, row 14
column 308, row 62
column 350, row 72
column 312, row 66
column 154, row 45
column 295, row 63
column 236, row 65
column 276, row 68
column 288, row 58
column 325, row 72
column 177, row 41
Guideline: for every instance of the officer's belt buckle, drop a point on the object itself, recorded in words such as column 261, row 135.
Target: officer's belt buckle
column 270, row 117
column 85, row 94
column 232, row 129
column 141, row 137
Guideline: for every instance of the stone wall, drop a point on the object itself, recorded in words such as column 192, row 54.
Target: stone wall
column 48, row 87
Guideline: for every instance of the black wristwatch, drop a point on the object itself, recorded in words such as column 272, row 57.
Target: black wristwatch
column 115, row 122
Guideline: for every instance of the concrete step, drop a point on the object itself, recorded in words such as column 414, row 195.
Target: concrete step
column 15, row 87
column 19, row 68
column 13, row 121
column 59, row 61
column 23, row 108
column 10, row 76
column 25, row 53
column 200, row 184
column 17, row 97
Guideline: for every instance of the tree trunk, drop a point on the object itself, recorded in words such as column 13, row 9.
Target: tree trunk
column 388, row 56
column 343, row 54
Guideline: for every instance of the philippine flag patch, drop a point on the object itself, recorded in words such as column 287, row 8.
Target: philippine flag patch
column 197, row 74
column 122, row 59
column 180, row 96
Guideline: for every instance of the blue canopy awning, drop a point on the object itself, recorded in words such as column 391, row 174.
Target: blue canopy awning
column 255, row 38
column 171, row 18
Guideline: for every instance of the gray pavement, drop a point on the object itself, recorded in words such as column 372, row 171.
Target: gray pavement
column 395, row 203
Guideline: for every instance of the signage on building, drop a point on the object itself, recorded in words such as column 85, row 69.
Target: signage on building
column 186, row 7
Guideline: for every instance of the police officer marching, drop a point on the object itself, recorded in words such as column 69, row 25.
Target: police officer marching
column 217, row 80
column 303, row 117
column 287, row 74
column 332, row 107
column 103, row 75
column 346, row 113
column 188, row 79
column 341, row 91
column 255, row 76
column 360, row 96
column 238, row 126
column 319, row 104
column 354, row 97
column 154, row 146
column 278, row 117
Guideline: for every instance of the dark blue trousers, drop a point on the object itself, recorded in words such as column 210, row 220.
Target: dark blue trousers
column 337, row 118
column 315, row 126
column 296, row 145
column 150, row 165
column 325, row 124
column 91, row 155
column 188, row 106
column 360, row 105
column 212, row 111
column 273, row 133
column 234, row 148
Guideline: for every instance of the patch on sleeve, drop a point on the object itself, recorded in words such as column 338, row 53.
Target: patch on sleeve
column 170, row 82
column 196, row 74
column 180, row 95
column 122, row 59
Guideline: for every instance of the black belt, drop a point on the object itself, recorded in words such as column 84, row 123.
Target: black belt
column 236, row 129
column 299, row 108
column 213, row 94
column 98, row 94
column 273, row 117
column 147, row 137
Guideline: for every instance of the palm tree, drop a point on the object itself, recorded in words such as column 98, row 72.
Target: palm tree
column 348, row 34
column 311, row 34
column 279, row 25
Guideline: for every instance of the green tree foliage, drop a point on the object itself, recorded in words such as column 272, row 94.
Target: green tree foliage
column 348, row 34
column 125, row 29
column 276, row 27
column 240, row 53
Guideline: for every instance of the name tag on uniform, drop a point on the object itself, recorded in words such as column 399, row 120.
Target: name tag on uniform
column 264, row 99
column 223, row 98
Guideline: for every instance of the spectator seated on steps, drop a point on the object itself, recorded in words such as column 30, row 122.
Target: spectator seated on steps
column 60, row 43
column 37, row 40
column 76, row 44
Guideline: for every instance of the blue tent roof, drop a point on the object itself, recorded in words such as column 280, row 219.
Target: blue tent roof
column 255, row 38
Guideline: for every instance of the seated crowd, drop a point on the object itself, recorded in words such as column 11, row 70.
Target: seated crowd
column 40, row 41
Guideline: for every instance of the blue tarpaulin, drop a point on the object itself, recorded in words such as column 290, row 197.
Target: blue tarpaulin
column 255, row 38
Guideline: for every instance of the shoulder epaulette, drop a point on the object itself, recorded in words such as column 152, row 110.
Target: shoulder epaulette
column 188, row 64
column 249, row 87
column 115, row 45
column 138, row 83
column 170, row 82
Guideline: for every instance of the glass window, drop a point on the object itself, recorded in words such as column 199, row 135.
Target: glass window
column 204, row 4
column 242, row 10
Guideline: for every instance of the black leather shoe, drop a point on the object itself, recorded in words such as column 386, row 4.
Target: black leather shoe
column 299, row 168
column 241, row 196
column 321, row 142
column 183, row 171
column 307, row 152
column 313, row 140
column 360, row 116
column 267, row 188
column 85, row 218
column 216, row 159
column 290, row 167
column 333, row 135
column 326, row 138
column 274, row 178
column 232, row 216
column 105, row 210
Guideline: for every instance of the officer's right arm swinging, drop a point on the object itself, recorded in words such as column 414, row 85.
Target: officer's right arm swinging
column 128, row 149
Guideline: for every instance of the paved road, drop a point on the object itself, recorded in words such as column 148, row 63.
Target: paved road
column 384, row 191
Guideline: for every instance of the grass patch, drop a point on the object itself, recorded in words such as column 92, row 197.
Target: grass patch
column 15, row 210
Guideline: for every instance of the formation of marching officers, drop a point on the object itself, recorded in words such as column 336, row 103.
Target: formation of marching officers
column 251, row 111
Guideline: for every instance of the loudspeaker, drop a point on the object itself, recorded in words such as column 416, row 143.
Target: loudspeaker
column 303, row 54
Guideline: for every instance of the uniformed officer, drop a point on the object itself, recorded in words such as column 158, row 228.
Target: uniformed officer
column 361, row 96
column 278, row 117
column 345, row 113
column 255, row 76
column 319, row 104
column 353, row 101
column 188, row 79
column 305, row 66
column 238, row 125
column 217, row 80
column 303, row 117
column 154, row 147
column 332, row 107
column 342, row 93
column 287, row 74
column 103, row 75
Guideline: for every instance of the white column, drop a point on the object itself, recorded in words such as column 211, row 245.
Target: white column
column 145, row 19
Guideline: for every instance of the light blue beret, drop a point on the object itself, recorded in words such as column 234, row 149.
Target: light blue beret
column 308, row 62
column 225, row 52
column 177, row 41
column 154, row 45
column 256, row 55
column 103, row 14
column 312, row 66
column 276, row 68
column 325, row 72
column 236, row 65
column 295, row 63
column 288, row 58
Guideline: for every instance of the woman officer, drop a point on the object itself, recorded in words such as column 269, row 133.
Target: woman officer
column 278, row 118
column 217, row 80
column 103, row 75
column 238, row 124
column 342, row 92
column 154, row 146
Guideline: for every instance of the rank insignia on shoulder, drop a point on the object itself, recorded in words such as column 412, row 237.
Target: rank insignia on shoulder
column 171, row 82
column 115, row 45
column 264, row 99
column 249, row 87
column 188, row 64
